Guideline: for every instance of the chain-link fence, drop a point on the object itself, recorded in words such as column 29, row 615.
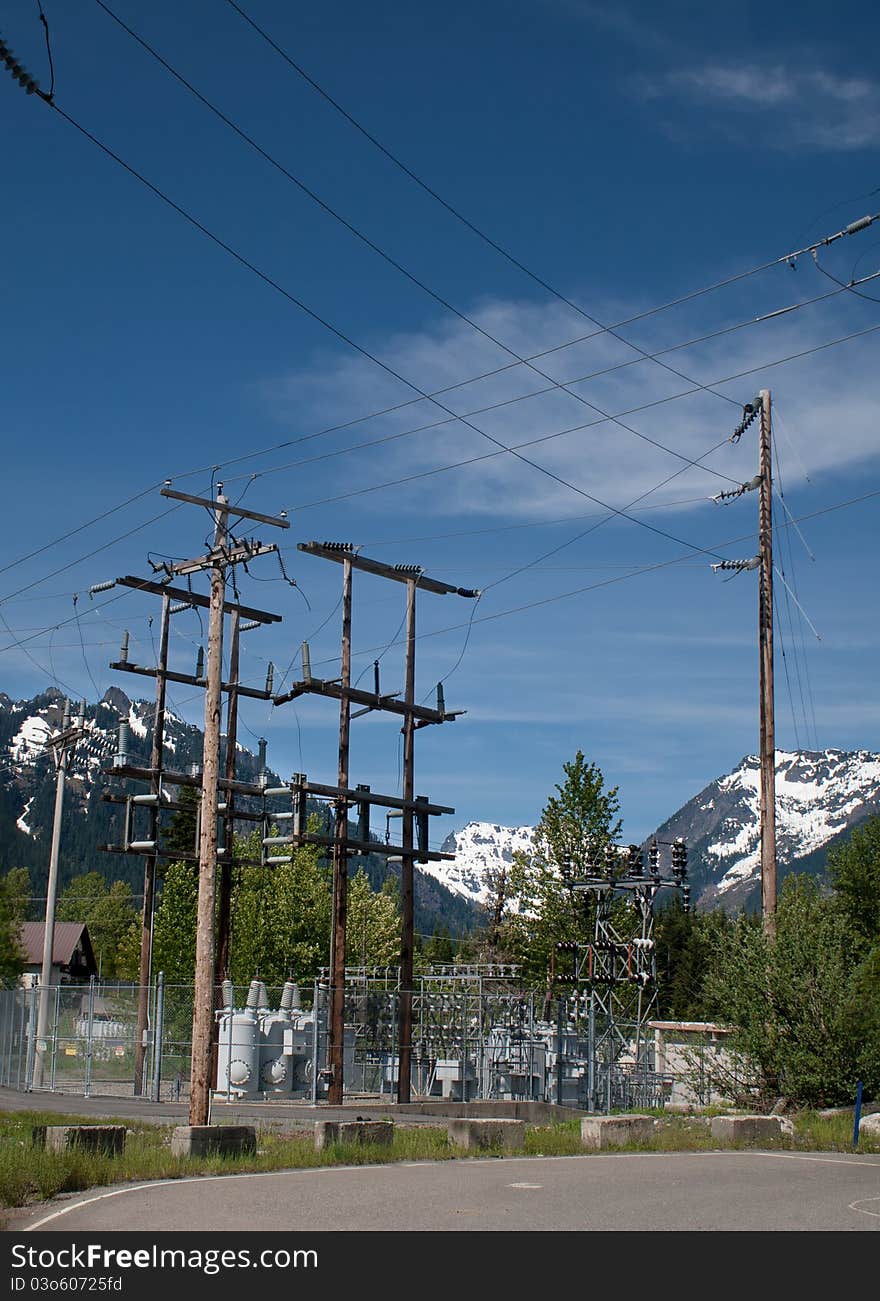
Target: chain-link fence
column 473, row 1038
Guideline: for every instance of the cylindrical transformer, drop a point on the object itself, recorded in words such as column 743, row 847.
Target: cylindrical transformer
column 238, row 1062
column 276, row 1073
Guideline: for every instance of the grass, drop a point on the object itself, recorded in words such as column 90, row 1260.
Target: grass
column 30, row 1174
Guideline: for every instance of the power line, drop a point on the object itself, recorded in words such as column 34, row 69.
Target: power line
column 398, row 266
column 393, row 262
column 791, row 258
column 64, row 537
column 323, row 321
column 81, row 559
column 525, row 397
column 620, row 578
column 780, row 361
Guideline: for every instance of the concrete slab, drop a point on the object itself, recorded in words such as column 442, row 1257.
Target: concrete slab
column 213, row 1140
column 107, row 1140
column 327, row 1132
column 497, row 1132
column 750, row 1129
column 599, row 1133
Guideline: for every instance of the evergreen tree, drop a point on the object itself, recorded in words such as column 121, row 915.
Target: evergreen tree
column 11, row 954
column 794, row 1002
column 854, row 868
column 179, row 837
column 438, row 948
column 108, row 911
column 684, row 944
column 576, row 825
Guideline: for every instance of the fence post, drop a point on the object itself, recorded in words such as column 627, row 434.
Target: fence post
column 316, row 1012
column 55, row 1020
column 31, row 1042
column 87, row 1083
column 858, row 1115
column 158, row 1029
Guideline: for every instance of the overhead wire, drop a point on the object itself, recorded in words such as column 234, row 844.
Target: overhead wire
column 779, row 361
column 334, row 329
column 398, row 266
column 525, row 397
column 456, row 212
column 562, row 596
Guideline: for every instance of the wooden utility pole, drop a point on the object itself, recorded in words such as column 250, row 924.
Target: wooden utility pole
column 765, row 630
column 224, row 890
column 414, row 716
column 223, row 555
column 151, row 860
column 203, row 992
column 62, row 746
column 340, row 860
column 407, row 886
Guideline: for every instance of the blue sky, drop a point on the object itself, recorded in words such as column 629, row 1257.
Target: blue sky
column 626, row 157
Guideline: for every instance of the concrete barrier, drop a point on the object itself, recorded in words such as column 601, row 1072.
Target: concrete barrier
column 750, row 1129
column 214, row 1140
column 601, row 1132
column 379, row 1132
column 470, row 1134
column 104, row 1140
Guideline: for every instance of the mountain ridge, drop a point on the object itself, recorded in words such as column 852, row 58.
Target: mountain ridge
column 27, row 793
column 821, row 796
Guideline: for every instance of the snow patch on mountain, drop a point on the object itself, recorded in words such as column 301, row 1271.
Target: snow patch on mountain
column 818, row 795
column 480, row 849
column 136, row 723
column 21, row 822
column 30, row 739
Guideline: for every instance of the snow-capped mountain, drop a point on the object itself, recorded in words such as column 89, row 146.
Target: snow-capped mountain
column 480, row 849
column 820, row 796
column 27, row 777
column 27, row 794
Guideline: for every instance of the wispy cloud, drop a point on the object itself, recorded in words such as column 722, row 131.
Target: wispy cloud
column 584, row 459
column 812, row 107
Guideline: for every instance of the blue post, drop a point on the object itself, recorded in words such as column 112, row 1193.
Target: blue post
column 858, row 1118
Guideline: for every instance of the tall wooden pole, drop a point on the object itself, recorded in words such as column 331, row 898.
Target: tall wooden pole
column 340, row 863
column 406, row 863
column 224, row 895
column 203, row 994
column 61, row 758
column 765, row 627
column 151, row 860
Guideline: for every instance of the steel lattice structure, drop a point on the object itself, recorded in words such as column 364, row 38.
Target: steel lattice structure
column 615, row 973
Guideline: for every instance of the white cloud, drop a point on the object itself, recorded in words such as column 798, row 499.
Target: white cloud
column 811, row 107
column 833, row 390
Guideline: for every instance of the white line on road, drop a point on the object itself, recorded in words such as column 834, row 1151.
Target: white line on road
column 315, row 1170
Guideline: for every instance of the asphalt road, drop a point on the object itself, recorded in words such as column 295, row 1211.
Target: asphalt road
column 708, row 1191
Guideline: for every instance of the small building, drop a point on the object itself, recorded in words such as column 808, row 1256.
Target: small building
column 693, row 1054
column 73, row 959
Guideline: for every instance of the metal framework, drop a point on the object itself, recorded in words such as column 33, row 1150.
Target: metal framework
column 615, row 974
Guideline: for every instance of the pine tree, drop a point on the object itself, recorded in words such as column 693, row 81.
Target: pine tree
column 576, row 825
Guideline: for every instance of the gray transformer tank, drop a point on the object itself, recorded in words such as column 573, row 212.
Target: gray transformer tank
column 265, row 1052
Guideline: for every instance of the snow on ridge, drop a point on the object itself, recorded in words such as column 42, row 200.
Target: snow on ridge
column 479, row 848
column 136, row 723
column 21, row 822
column 30, row 739
column 819, row 794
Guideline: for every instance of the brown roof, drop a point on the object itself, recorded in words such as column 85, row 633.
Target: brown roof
column 67, row 937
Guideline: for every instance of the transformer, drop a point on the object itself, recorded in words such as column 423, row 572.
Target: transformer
column 265, row 1052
